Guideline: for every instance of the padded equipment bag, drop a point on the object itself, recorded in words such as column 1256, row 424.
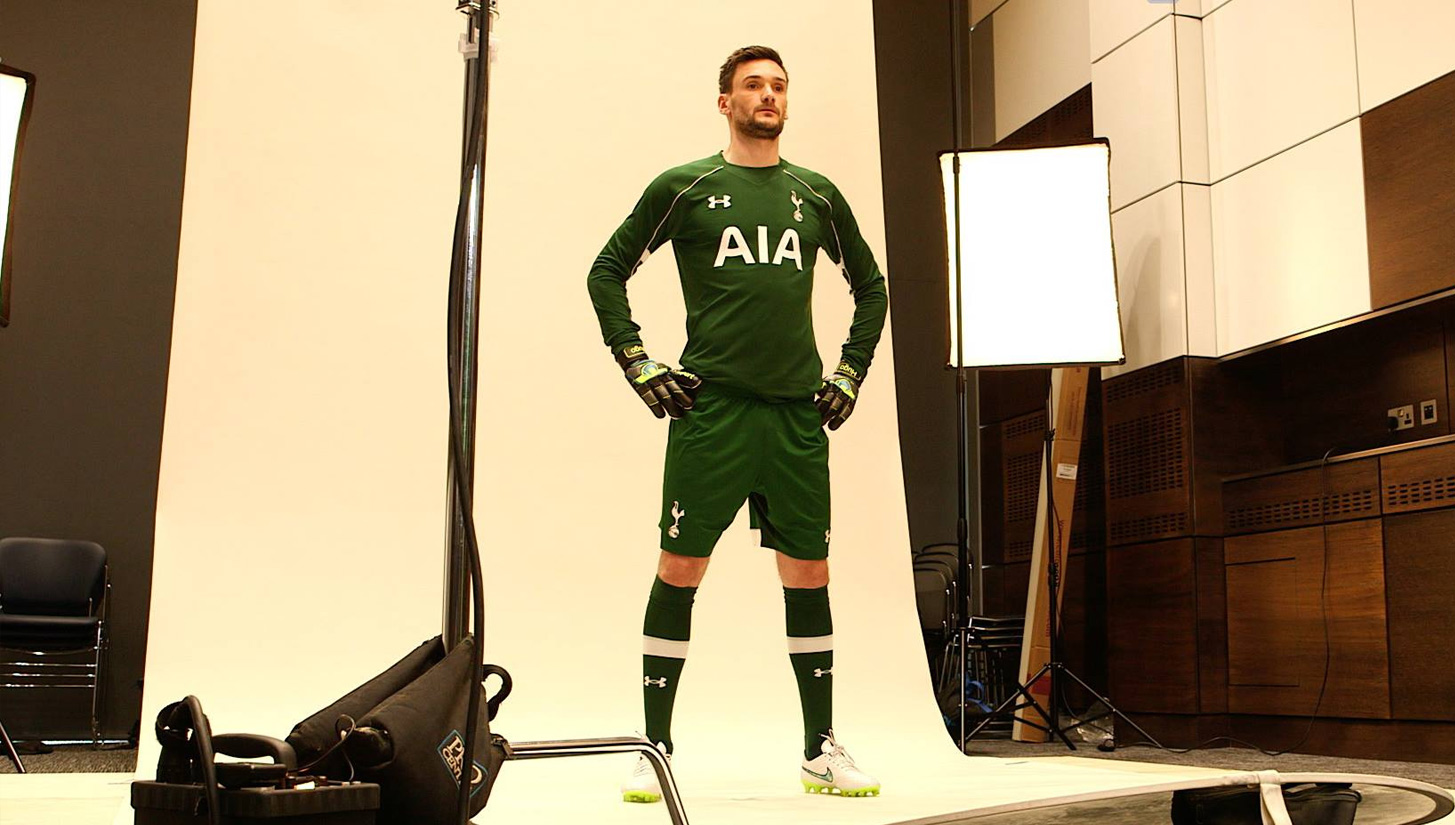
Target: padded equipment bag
column 411, row 742
column 315, row 738
column 1306, row 804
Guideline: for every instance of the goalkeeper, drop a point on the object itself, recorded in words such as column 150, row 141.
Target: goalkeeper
column 749, row 407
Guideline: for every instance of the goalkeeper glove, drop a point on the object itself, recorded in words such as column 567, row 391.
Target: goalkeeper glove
column 664, row 390
column 835, row 399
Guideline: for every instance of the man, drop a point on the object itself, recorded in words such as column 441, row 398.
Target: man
column 749, row 406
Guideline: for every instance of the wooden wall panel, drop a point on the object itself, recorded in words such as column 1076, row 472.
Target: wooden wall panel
column 1152, row 627
column 1022, row 456
column 1287, row 500
column 994, row 600
column 1265, row 641
column 1172, row 431
column 1338, row 386
column 1419, row 479
column 1278, row 597
column 992, row 495
column 1147, row 437
column 1083, row 621
column 1391, row 739
column 1068, row 121
column 1011, row 393
column 1419, row 553
column 1233, row 430
column 1212, row 626
column 1447, row 327
column 1088, row 517
column 1409, row 193
column 1014, row 586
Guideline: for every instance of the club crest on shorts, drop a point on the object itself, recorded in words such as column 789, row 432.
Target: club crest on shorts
column 674, row 531
column 797, row 205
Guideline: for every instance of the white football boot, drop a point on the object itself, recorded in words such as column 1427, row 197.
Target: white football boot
column 643, row 786
column 833, row 772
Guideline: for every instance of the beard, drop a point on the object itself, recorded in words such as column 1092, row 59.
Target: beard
column 749, row 126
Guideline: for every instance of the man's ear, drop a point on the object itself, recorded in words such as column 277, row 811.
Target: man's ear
column 722, row 106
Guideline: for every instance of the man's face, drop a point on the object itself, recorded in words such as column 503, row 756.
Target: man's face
column 758, row 102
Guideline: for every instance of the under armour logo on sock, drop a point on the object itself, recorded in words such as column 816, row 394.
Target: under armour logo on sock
column 648, row 681
column 819, row 674
column 714, row 202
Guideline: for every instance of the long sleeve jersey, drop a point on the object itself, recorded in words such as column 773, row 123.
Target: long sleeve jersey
column 745, row 239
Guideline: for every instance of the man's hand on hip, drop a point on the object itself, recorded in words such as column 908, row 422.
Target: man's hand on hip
column 835, row 399
column 664, row 390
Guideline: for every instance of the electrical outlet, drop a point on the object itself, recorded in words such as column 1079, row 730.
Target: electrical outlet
column 1402, row 418
column 1428, row 412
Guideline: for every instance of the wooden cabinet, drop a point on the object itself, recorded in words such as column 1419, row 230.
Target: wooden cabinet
column 1348, row 490
column 1419, row 552
column 1152, row 627
column 1297, row 599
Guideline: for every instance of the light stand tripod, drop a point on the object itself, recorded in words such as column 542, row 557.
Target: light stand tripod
column 463, row 575
column 1054, row 670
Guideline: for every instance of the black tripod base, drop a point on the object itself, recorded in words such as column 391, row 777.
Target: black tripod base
column 1052, row 720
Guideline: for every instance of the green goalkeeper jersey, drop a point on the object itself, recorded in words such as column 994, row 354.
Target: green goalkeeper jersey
column 746, row 239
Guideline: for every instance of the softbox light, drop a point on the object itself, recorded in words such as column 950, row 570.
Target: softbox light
column 1036, row 277
column 15, row 94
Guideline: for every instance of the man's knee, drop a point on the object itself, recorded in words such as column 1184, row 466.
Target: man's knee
column 803, row 573
column 681, row 571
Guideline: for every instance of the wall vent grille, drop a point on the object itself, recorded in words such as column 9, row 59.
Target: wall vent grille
column 1145, row 380
column 1161, row 525
column 1145, row 455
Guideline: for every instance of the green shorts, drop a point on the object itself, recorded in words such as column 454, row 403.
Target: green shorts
column 731, row 448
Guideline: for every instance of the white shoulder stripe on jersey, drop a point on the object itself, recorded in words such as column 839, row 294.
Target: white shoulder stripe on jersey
column 647, row 250
column 843, row 267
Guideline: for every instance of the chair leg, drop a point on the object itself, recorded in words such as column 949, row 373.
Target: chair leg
column 96, row 691
column 10, row 749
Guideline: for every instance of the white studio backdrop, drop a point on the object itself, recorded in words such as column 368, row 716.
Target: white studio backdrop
column 301, row 512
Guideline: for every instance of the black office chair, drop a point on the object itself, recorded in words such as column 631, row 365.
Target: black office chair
column 53, row 603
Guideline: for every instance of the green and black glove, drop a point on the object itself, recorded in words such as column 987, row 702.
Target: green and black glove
column 666, row 391
column 835, row 399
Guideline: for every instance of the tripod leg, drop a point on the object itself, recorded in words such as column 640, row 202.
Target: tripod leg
column 10, row 749
column 1020, row 690
column 1112, row 710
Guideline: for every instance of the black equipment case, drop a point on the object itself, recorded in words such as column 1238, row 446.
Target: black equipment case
column 163, row 803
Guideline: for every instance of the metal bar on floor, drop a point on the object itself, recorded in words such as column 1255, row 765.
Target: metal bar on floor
column 594, row 747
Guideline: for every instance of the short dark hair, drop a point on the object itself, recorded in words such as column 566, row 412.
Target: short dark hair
column 746, row 54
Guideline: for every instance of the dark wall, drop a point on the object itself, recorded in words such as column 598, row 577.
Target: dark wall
column 83, row 364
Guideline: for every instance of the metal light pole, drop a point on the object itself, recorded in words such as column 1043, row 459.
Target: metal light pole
column 464, row 332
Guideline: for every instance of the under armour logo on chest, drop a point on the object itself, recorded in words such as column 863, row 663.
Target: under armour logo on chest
column 714, row 202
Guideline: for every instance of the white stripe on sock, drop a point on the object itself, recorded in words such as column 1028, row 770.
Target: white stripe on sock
column 811, row 644
column 665, row 648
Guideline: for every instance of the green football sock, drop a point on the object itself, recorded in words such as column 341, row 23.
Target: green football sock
column 811, row 650
column 665, row 633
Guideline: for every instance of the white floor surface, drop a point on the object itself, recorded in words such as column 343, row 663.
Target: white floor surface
column 584, row 789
